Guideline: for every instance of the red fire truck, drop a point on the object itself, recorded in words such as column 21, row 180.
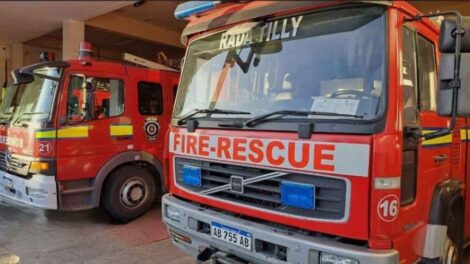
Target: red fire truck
column 83, row 133
column 320, row 132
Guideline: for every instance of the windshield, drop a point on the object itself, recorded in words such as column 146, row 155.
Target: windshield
column 37, row 96
column 328, row 62
column 7, row 106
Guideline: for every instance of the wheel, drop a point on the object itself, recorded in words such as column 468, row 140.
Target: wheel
column 128, row 193
column 453, row 253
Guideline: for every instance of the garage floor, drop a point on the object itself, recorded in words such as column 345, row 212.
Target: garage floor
column 85, row 237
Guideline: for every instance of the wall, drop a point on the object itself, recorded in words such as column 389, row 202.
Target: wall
column 3, row 58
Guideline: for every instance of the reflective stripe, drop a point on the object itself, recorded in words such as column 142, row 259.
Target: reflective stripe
column 73, row 132
column 121, row 130
column 464, row 134
column 446, row 139
column 46, row 134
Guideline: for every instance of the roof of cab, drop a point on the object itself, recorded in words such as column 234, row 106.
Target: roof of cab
column 111, row 67
column 229, row 13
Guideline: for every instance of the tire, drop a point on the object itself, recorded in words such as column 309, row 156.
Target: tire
column 128, row 193
column 453, row 253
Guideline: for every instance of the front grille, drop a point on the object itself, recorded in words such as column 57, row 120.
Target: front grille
column 330, row 199
column 14, row 164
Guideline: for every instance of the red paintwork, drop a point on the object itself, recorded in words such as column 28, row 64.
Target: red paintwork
column 406, row 232
column 82, row 158
column 77, row 159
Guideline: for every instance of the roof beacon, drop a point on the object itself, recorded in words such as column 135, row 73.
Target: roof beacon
column 86, row 51
column 190, row 8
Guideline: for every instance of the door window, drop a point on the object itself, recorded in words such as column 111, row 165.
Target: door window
column 410, row 116
column 150, row 98
column 426, row 74
column 408, row 77
column 91, row 98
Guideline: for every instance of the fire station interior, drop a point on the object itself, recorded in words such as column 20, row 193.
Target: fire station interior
column 37, row 31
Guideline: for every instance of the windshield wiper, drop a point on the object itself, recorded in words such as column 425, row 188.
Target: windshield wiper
column 186, row 117
column 278, row 114
column 19, row 118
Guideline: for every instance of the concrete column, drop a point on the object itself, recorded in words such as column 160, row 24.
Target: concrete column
column 73, row 32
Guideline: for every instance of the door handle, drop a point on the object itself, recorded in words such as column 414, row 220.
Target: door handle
column 440, row 157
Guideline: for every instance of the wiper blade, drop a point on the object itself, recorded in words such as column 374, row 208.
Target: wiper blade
column 21, row 116
column 278, row 114
column 185, row 118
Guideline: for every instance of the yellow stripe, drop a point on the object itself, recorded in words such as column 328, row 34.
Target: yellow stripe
column 447, row 139
column 46, row 134
column 121, row 130
column 73, row 132
column 464, row 134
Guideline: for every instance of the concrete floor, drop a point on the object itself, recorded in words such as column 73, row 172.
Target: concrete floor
column 40, row 237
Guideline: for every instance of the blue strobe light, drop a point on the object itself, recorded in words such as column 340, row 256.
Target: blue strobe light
column 298, row 195
column 192, row 176
column 190, row 8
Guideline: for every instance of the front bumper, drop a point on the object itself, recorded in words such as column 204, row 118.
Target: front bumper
column 39, row 190
column 300, row 248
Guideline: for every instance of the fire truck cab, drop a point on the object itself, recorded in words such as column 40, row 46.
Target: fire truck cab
column 83, row 133
column 320, row 132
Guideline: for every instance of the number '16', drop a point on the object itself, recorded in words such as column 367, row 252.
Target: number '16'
column 388, row 208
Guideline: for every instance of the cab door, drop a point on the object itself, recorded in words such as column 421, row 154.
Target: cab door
column 94, row 123
column 424, row 162
column 154, row 100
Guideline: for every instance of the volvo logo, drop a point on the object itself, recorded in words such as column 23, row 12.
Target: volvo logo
column 236, row 184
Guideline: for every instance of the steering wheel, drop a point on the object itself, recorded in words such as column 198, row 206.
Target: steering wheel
column 356, row 93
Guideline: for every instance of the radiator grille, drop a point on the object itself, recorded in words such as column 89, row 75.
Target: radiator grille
column 330, row 199
column 14, row 164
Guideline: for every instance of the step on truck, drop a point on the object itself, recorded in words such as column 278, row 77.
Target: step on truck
column 320, row 132
column 78, row 134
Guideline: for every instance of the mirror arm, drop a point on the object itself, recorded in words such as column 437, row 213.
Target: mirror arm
column 455, row 83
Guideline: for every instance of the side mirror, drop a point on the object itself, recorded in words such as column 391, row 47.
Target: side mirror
column 448, row 67
column 21, row 78
column 447, row 35
column 446, row 76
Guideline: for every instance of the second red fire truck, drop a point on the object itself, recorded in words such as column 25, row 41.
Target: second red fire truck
column 320, row 132
column 82, row 133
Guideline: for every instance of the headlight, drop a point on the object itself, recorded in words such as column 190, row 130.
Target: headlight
column 172, row 213
column 45, row 167
column 327, row 258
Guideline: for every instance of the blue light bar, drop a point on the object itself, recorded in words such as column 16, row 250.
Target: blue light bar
column 192, row 176
column 298, row 195
column 190, row 8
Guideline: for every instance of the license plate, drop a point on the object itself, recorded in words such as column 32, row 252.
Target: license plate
column 6, row 182
column 231, row 235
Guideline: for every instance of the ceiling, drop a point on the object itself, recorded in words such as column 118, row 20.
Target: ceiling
column 432, row 6
column 25, row 20
column 111, row 41
column 156, row 13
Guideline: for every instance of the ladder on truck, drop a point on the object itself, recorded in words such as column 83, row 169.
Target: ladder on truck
column 146, row 63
